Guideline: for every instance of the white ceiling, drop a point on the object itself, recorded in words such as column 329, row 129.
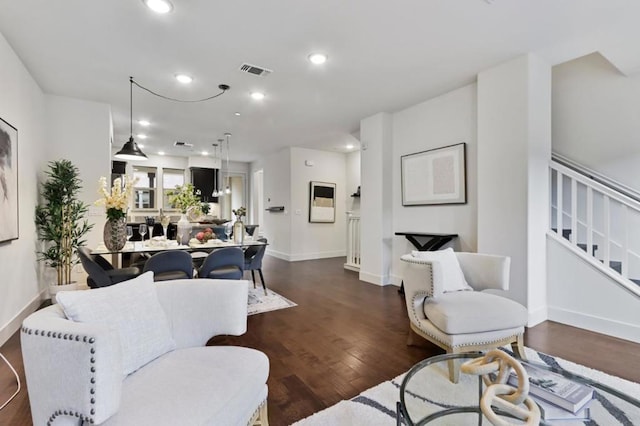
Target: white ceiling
column 383, row 56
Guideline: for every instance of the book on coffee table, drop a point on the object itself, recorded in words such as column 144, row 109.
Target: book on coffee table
column 556, row 389
column 553, row 413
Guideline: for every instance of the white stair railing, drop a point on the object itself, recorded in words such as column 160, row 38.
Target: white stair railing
column 598, row 223
column 353, row 242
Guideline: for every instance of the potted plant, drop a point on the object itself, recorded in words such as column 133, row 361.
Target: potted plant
column 60, row 221
column 116, row 203
column 186, row 199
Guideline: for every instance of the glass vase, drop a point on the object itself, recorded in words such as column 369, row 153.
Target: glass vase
column 115, row 234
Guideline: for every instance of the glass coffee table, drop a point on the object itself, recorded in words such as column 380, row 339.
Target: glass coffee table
column 427, row 396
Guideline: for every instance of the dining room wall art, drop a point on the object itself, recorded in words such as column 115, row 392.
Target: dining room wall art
column 322, row 202
column 8, row 182
column 435, row 176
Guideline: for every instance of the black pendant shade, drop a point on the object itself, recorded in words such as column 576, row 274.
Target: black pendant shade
column 130, row 151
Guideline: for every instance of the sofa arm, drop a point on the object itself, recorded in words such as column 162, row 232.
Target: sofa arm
column 485, row 271
column 199, row 309
column 73, row 370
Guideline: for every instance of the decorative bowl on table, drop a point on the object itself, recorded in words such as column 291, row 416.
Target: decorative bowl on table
column 161, row 242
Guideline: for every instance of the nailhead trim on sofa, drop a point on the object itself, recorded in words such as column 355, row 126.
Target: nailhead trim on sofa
column 92, row 350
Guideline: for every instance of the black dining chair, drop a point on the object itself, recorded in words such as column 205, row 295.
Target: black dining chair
column 253, row 262
column 170, row 265
column 225, row 263
column 102, row 273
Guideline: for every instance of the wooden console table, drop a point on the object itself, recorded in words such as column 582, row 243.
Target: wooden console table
column 434, row 242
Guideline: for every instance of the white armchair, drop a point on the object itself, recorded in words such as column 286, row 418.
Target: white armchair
column 462, row 321
column 74, row 370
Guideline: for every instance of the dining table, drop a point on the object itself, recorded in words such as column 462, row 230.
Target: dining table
column 159, row 244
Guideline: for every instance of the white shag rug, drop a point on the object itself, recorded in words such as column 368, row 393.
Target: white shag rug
column 377, row 406
column 259, row 303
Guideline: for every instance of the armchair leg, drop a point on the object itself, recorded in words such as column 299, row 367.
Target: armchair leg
column 253, row 277
column 263, row 416
column 454, row 368
column 518, row 347
column 264, row 286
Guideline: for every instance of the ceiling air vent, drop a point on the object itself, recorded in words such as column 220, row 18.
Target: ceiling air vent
column 255, row 70
column 180, row 144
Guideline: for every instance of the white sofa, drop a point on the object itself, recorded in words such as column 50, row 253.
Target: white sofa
column 74, row 370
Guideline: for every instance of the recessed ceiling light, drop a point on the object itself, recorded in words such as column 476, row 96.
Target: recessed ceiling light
column 144, row 123
column 205, row 153
column 349, row 146
column 237, row 114
column 141, row 136
column 258, row 96
column 160, row 152
column 318, row 58
column 140, row 146
column 159, row 6
column 184, row 78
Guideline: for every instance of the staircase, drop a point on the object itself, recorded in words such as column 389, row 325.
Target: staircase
column 353, row 242
column 598, row 220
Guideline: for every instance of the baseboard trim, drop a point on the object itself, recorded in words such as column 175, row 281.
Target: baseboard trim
column 306, row 256
column 537, row 316
column 396, row 280
column 14, row 323
column 380, row 280
column 350, row 267
column 621, row 330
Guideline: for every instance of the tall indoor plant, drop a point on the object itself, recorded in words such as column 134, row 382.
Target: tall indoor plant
column 60, row 219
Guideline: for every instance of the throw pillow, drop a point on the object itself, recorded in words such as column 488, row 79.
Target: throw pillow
column 131, row 308
column 452, row 275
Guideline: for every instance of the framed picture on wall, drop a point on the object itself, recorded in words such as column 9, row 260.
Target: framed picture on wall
column 8, row 182
column 436, row 176
column 322, row 202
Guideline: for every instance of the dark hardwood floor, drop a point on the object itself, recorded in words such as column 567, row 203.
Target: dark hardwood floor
column 344, row 337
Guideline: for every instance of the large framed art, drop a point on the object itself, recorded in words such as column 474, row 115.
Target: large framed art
column 8, row 182
column 436, row 176
column 322, row 202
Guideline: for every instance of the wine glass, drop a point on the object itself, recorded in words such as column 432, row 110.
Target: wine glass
column 129, row 233
column 165, row 220
column 227, row 230
column 143, row 231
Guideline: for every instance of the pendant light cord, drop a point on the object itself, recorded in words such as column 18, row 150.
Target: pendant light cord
column 223, row 87
column 131, row 104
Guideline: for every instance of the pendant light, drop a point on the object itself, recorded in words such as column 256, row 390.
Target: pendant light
column 216, row 192
column 130, row 150
column 228, row 188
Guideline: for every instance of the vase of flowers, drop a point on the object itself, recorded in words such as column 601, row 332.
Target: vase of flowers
column 238, row 226
column 116, row 203
column 184, row 198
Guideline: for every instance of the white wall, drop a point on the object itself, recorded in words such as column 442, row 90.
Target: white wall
column 446, row 120
column 595, row 117
column 514, row 145
column 581, row 296
column 277, row 192
column 22, row 105
column 79, row 131
column 317, row 240
column 353, row 181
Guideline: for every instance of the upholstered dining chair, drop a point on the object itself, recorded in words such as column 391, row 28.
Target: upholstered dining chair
column 448, row 305
column 170, row 265
column 253, row 261
column 225, row 263
column 102, row 273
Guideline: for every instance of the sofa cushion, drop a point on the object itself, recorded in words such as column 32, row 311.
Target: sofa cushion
column 452, row 276
column 473, row 312
column 133, row 310
column 219, row 385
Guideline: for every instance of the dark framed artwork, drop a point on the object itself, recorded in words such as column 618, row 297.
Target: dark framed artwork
column 322, row 202
column 436, row 176
column 8, row 182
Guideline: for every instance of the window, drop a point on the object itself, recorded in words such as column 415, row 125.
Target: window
column 170, row 178
column 144, row 189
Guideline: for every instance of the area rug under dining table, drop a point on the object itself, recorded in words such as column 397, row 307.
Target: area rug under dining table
column 377, row 406
column 272, row 301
